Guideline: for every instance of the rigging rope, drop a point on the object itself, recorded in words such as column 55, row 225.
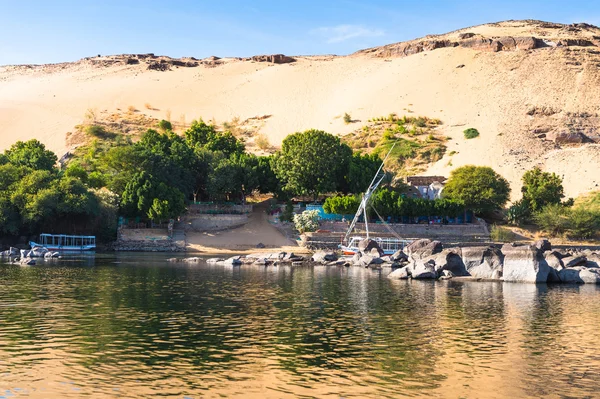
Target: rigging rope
column 387, row 226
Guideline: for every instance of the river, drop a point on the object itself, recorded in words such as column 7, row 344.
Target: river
column 136, row 326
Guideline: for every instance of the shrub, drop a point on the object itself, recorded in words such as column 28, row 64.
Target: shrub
column 99, row 132
column 165, row 125
column 471, row 133
column 553, row 219
column 148, row 106
column 306, row 221
column 262, row 142
column 132, row 108
column 347, row 118
column 583, row 223
column 501, row 234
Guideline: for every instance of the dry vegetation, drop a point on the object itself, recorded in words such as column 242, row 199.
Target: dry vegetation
column 418, row 141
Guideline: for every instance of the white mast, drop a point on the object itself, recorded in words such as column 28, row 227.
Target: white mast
column 362, row 208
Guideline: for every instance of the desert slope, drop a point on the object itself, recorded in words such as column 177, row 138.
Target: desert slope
column 514, row 98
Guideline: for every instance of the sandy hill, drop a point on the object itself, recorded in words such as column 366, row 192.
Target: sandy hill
column 531, row 88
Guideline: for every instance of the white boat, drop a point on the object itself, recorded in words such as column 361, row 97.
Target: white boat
column 62, row 242
column 389, row 245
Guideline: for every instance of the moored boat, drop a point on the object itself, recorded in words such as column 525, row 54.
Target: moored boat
column 63, row 242
column 389, row 245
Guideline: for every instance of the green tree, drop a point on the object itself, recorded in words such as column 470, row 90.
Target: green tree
column 541, row 189
column 342, row 204
column 479, row 188
column 312, row 162
column 361, row 170
column 32, row 154
column 203, row 135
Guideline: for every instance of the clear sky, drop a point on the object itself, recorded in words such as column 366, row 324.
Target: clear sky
column 45, row 31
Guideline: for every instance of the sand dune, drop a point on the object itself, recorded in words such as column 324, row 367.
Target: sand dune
column 493, row 92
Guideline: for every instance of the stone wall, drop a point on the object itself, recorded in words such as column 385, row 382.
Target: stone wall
column 467, row 232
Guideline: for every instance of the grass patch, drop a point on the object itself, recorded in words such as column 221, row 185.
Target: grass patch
column 501, row 234
column 471, row 133
column 347, row 118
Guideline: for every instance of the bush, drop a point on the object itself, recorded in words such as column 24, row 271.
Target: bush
column 553, row 219
column 165, row 125
column 262, row 142
column 583, row 223
column 541, row 189
column 471, row 133
column 307, row 221
column 501, row 234
column 347, row 118
column 99, row 132
column 519, row 213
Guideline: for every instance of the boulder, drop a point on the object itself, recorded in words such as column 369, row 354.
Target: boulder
column 233, row 261
column 543, row 245
column 554, row 260
column 399, row 274
column 56, row 254
column 525, row 264
column 450, row 259
column 566, row 137
column 27, row 261
column 260, row 245
column 12, row 251
column 398, row 256
column 572, row 261
column 24, row 253
column 366, row 260
column 593, row 260
column 48, row 255
column 370, row 246
column 213, row 261
column 323, row 257
column 446, row 275
column 38, row 252
column 483, row 262
column 580, row 275
column 423, row 248
column 420, row 269
column 261, row 262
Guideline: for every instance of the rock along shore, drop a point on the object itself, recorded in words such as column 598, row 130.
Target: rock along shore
column 427, row 259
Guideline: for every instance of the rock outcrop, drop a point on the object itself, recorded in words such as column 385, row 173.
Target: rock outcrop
column 524, row 264
column 273, row 58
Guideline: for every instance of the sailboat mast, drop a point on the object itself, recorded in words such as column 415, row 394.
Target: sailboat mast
column 362, row 208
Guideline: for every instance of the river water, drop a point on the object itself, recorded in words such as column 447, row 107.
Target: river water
column 135, row 326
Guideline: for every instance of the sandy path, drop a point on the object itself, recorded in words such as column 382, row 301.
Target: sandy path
column 243, row 239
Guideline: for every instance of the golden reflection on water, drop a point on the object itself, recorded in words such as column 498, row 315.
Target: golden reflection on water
column 146, row 328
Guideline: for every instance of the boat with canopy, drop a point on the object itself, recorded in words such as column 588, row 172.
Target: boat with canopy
column 62, row 242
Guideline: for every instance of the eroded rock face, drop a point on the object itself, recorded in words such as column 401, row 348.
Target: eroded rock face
column 449, row 260
column 483, row 262
column 423, row 248
column 566, row 137
column 420, row 269
column 274, row 58
column 524, row 264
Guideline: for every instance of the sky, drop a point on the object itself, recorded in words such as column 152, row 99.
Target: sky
column 48, row 31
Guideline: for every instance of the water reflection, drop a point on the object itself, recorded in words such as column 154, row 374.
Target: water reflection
column 135, row 326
